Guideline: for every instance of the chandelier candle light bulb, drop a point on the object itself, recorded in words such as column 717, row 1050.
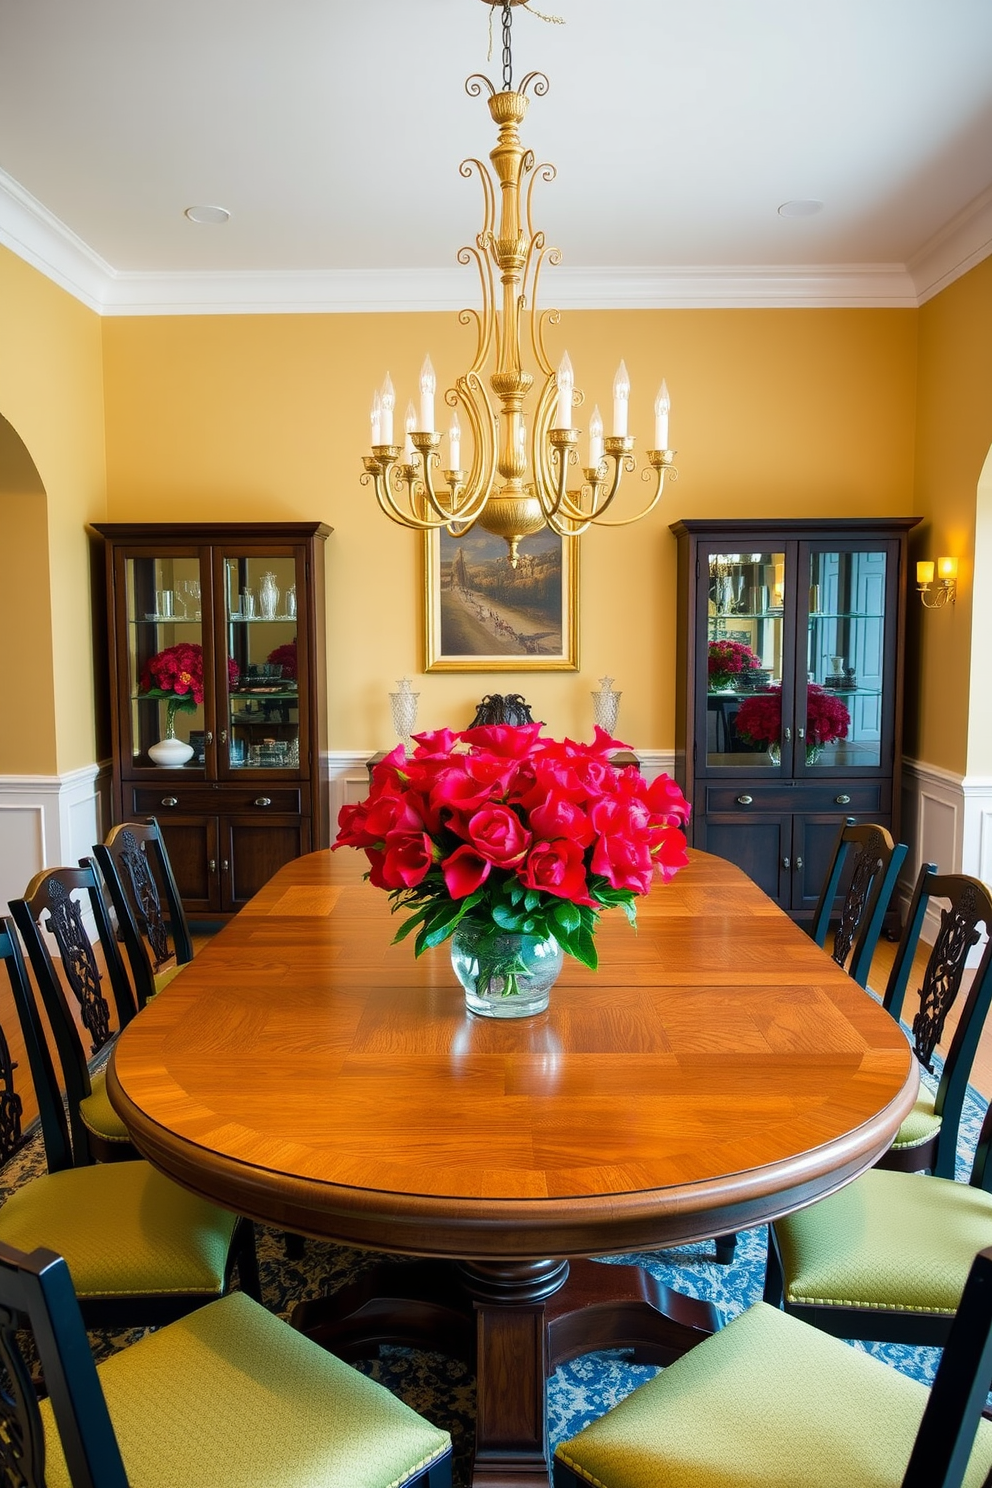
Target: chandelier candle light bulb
column 566, row 387
column 595, row 439
column 428, row 384
column 662, row 405
column 411, row 424
column 376, row 419
column 387, row 404
column 621, row 400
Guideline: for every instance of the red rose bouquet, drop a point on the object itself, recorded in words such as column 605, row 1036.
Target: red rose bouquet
column 759, row 719
column 177, row 674
column 285, row 656
column 728, row 662
column 507, row 832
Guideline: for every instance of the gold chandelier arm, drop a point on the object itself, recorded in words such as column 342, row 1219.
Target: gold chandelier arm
column 658, row 472
column 489, row 198
column 539, row 79
column 483, row 321
column 540, row 460
column 470, row 392
column 543, row 172
column 379, row 478
column 546, row 317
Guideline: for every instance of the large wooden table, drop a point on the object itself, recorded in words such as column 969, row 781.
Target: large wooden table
column 717, row 1071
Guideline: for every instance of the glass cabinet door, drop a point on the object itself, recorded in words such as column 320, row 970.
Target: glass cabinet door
column 164, row 613
column 260, row 593
column 846, row 671
column 745, row 660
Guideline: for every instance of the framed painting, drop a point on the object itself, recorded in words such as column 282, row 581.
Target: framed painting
column 484, row 616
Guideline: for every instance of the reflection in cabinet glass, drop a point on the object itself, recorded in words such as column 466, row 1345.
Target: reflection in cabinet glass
column 218, row 685
column 790, row 664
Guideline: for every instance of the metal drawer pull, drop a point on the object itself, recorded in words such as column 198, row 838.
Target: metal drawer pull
column 223, row 864
column 799, row 864
column 788, row 734
column 842, row 800
column 169, row 801
column 800, row 733
column 744, row 800
column 786, row 862
column 208, row 737
column 212, row 864
column 223, row 736
column 263, row 800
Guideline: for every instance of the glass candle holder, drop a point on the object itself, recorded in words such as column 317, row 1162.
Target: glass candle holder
column 404, row 706
column 606, row 705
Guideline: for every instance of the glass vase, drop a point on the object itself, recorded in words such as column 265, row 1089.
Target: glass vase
column 606, row 705
column 404, row 708
column 505, row 975
column 268, row 596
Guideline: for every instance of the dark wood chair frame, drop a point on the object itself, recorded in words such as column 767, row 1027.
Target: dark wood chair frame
column 49, row 898
column 135, row 866
column 38, row 1287
column 870, row 888
column 98, row 1312
column 957, row 1397
column 970, row 907
column 876, row 867
column 875, row 1323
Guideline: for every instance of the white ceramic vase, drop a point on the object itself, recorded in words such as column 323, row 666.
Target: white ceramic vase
column 170, row 753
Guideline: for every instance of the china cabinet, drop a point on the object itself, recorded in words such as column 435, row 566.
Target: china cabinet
column 218, row 691
column 789, row 698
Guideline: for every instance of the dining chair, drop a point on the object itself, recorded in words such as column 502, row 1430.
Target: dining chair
column 769, row 1400
column 142, row 1250
column 887, row 1256
column 54, row 908
column 872, row 860
column 134, row 863
column 928, row 1138
column 227, row 1396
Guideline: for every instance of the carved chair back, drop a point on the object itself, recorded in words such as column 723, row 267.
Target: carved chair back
column 968, row 912
column 136, row 869
column 55, row 1130
column 50, row 908
column 874, row 861
column 38, row 1287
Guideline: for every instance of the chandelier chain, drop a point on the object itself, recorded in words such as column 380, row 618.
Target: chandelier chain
column 507, row 50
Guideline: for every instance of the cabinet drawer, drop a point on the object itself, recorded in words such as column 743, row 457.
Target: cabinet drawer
column 164, row 799
column 853, row 798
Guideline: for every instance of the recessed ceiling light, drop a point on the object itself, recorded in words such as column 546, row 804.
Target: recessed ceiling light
column 207, row 214
column 801, row 207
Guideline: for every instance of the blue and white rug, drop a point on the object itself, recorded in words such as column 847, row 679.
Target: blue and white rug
column 444, row 1391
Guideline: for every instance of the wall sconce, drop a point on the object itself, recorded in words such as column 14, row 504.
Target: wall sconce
column 947, row 572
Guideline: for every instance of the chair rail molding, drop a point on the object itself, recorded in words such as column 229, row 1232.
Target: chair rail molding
column 46, row 820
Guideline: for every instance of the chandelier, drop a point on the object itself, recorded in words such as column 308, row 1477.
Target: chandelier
column 518, row 477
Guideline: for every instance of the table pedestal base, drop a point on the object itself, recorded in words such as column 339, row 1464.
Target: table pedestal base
column 514, row 1323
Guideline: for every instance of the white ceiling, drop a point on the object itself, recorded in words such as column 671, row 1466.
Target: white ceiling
column 332, row 130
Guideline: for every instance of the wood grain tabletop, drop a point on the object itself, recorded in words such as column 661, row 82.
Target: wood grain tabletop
column 717, row 1070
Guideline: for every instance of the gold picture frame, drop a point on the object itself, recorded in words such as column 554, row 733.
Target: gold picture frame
column 481, row 615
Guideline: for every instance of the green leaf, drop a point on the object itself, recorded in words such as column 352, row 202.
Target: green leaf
column 532, row 899
column 507, row 919
column 566, row 916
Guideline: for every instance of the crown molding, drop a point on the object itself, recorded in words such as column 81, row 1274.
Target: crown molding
column 41, row 239
column 38, row 237
column 960, row 244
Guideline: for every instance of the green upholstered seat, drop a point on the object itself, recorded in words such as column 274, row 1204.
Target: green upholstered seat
column 899, row 1241
column 920, row 1125
column 768, row 1402
column 99, row 1116
column 230, row 1396
column 124, row 1229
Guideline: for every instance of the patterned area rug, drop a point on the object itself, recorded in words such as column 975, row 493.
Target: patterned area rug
column 444, row 1391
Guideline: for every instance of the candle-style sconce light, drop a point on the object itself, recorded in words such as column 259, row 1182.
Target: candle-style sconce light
column 947, row 573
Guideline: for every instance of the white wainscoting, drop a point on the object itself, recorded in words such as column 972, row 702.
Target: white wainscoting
column 49, row 820
column 947, row 820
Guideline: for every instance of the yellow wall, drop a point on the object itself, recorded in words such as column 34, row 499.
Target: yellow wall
column 774, row 412
column 954, row 432
column 51, row 393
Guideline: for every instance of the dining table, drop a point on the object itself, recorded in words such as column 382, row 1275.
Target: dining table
column 718, row 1070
